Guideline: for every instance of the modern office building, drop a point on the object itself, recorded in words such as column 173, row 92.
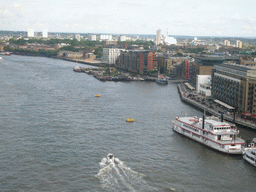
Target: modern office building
column 110, row 55
column 203, row 65
column 235, row 85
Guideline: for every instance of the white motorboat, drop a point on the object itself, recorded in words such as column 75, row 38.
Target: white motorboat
column 111, row 157
column 210, row 131
column 249, row 153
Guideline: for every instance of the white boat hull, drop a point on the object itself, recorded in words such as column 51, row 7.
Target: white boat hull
column 248, row 156
column 208, row 142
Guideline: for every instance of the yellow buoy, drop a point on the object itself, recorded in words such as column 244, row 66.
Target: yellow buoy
column 129, row 120
column 97, row 95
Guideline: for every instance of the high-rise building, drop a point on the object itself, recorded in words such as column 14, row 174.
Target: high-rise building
column 45, row 33
column 226, row 43
column 30, row 33
column 238, row 43
column 92, row 37
column 77, row 36
column 158, row 36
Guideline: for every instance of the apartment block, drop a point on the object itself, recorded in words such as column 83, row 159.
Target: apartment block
column 139, row 61
column 110, row 55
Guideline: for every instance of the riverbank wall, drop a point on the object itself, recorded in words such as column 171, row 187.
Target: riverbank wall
column 238, row 121
column 92, row 63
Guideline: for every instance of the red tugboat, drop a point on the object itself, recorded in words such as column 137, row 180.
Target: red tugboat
column 8, row 54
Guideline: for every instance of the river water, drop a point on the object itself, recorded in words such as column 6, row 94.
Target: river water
column 55, row 135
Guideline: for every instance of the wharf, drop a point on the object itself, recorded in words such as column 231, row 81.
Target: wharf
column 204, row 107
column 177, row 81
column 87, row 62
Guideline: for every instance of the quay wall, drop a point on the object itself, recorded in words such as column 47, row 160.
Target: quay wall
column 238, row 121
column 98, row 64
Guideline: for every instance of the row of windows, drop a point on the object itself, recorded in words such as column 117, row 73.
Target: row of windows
column 190, row 127
column 221, row 128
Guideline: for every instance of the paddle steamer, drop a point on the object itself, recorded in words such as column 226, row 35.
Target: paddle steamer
column 212, row 132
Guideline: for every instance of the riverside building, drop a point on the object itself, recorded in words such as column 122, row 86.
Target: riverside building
column 139, row 61
column 110, row 55
column 203, row 65
column 235, row 85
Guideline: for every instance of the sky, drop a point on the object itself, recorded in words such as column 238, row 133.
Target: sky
column 233, row 18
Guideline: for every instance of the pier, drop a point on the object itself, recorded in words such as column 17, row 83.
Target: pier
column 204, row 107
column 177, row 81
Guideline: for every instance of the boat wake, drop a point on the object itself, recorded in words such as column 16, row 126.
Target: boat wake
column 114, row 175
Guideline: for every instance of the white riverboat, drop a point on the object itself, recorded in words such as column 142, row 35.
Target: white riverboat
column 212, row 132
column 249, row 153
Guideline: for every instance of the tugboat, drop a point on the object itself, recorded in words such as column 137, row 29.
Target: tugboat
column 249, row 153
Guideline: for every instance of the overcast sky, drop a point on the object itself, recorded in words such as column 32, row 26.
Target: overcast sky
column 181, row 17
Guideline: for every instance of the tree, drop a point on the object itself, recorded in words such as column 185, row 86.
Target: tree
column 98, row 52
column 179, row 54
column 162, row 69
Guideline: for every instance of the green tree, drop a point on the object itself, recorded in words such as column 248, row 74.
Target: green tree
column 162, row 69
column 98, row 52
column 179, row 54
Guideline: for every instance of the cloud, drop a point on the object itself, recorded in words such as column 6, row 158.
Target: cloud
column 5, row 12
column 128, row 4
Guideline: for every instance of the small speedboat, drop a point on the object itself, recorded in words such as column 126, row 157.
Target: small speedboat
column 110, row 157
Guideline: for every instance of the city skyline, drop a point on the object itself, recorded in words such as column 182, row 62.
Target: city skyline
column 188, row 18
